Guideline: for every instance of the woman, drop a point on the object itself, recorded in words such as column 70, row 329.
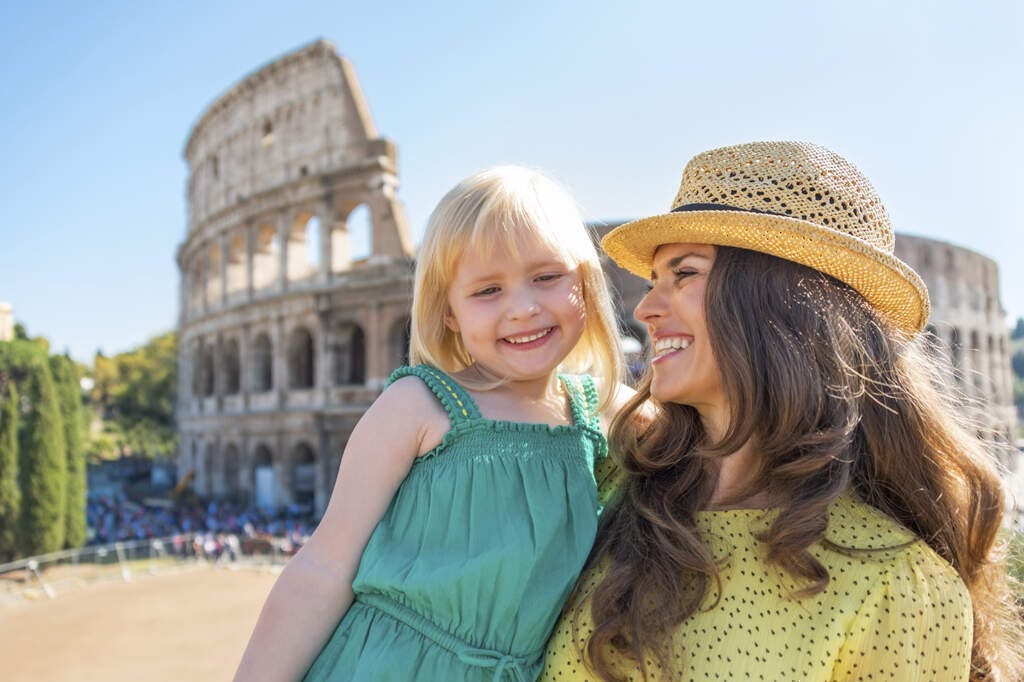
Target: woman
column 806, row 505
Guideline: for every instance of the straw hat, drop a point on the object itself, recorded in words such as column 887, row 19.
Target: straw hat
column 793, row 200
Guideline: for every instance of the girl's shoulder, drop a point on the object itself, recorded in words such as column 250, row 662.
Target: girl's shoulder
column 412, row 402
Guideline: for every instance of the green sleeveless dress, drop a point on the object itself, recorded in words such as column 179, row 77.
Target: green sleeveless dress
column 465, row 575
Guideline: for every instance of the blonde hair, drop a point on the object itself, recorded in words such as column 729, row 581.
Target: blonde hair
column 493, row 210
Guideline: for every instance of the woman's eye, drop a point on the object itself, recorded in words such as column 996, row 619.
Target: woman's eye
column 683, row 274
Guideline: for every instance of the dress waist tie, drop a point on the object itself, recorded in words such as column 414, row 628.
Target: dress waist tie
column 467, row 653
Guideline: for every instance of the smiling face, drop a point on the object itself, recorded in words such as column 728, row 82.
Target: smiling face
column 684, row 369
column 518, row 314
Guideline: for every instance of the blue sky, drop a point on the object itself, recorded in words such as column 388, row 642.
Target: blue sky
column 612, row 99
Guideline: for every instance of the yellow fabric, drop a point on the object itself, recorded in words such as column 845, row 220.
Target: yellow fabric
column 899, row 612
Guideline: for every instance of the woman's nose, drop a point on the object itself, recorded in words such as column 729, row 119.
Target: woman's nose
column 649, row 307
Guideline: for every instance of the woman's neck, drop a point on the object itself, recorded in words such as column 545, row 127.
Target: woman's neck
column 736, row 470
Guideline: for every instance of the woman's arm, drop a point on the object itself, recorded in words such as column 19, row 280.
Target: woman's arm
column 315, row 588
column 915, row 624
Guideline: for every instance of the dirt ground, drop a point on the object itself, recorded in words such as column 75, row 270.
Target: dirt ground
column 191, row 625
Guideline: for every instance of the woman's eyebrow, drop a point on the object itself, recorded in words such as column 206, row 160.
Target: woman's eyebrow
column 673, row 262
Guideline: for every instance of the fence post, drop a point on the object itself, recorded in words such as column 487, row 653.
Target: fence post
column 126, row 571
column 33, row 567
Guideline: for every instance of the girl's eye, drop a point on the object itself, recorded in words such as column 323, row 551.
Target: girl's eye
column 550, row 277
column 487, row 291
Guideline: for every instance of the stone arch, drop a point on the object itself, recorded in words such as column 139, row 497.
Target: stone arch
column 232, row 469
column 933, row 342
column 359, row 233
column 214, row 283
column 210, row 462
column 262, row 364
column 303, row 475
column 349, row 355
column 264, row 477
column 196, row 366
column 956, row 351
column 231, row 368
column 303, row 246
column 205, row 386
column 1004, row 374
column 977, row 365
column 992, row 370
column 301, row 359
column 265, row 259
column 236, row 283
column 398, row 342
column 198, row 289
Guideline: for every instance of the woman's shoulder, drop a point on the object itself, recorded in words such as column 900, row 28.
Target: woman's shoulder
column 871, row 538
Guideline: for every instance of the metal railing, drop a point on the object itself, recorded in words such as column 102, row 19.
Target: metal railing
column 49, row 575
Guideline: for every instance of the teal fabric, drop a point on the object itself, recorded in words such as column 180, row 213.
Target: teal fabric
column 464, row 576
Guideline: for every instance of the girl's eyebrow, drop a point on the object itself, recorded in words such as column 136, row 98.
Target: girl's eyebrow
column 539, row 265
column 673, row 262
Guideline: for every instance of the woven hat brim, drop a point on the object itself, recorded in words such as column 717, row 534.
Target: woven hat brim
column 889, row 284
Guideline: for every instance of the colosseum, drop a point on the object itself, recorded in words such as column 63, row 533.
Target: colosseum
column 288, row 328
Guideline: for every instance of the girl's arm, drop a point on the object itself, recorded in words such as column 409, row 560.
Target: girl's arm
column 315, row 588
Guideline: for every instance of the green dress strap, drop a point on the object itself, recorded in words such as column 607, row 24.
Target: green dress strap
column 584, row 401
column 456, row 402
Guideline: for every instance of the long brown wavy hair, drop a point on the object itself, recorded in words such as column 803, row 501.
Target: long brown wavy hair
column 834, row 398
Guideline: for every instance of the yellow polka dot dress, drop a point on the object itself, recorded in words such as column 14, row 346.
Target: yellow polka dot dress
column 899, row 612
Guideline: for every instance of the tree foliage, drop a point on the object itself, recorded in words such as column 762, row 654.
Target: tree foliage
column 134, row 393
column 42, row 451
column 67, row 381
column 10, row 495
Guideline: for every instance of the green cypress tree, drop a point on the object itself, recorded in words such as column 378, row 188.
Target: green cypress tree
column 70, row 397
column 10, row 496
column 42, row 465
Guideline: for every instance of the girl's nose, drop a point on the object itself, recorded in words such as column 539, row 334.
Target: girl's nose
column 522, row 308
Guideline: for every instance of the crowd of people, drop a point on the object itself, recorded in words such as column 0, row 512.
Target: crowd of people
column 213, row 529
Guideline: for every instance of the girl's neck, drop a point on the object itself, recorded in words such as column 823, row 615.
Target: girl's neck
column 539, row 389
column 538, row 401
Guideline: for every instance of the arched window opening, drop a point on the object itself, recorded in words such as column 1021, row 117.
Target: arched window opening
column 349, row 355
column 231, row 368
column 232, row 462
column 262, row 364
column 359, row 227
column 264, row 483
column 303, row 476
column 398, row 343
column 300, row 359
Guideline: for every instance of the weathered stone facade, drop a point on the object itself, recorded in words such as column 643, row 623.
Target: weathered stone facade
column 285, row 339
column 968, row 324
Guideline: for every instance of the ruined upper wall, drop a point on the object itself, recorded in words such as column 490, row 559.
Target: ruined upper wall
column 960, row 281
column 302, row 114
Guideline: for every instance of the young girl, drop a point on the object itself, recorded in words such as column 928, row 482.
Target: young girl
column 466, row 503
